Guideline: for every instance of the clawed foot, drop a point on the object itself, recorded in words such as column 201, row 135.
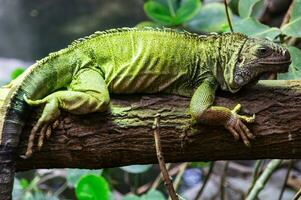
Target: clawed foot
column 45, row 124
column 45, row 132
column 237, row 128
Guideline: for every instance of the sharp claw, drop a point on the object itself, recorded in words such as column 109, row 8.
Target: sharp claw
column 55, row 124
column 234, row 133
column 31, row 142
column 42, row 136
column 48, row 132
column 28, row 153
column 247, row 143
column 247, row 131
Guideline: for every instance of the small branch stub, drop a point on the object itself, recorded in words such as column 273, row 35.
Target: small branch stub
column 165, row 175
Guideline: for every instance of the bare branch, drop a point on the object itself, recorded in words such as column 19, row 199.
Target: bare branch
column 125, row 135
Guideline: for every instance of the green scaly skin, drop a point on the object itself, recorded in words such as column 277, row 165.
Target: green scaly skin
column 78, row 79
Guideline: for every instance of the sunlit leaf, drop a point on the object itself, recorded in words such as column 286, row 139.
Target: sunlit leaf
column 294, row 71
column 171, row 12
column 73, row 175
column 293, row 27
column 187, row 9
column 248, row 8
column 158, row 12
column 252, row 27
column 92, row 187
column 211, row 17
column 24, row 183
column 17, row 72
column 136, row 169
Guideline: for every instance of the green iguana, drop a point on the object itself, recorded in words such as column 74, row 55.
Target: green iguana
column 79, row 79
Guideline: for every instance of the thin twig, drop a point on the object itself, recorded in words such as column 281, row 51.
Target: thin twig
column 228, row 16
column 60, row 190
column 285, row 20
column 290, row 166
column 297, row 195
column 264, row 177
column 158, row 180
column 256, row 172
column 223, row 180
column 205, row 181
column 165, row 175
column 179, row 175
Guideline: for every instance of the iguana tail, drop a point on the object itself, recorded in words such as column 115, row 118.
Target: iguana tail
column 36, row 82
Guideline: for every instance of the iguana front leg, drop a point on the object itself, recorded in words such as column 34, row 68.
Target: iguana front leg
column 202, row 110
column 87, row 93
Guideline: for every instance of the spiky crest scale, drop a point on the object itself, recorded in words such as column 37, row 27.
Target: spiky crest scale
column 182, row 33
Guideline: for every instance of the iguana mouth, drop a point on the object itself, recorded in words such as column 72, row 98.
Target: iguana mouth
column 280, row 62
column 277, row 64
column 272, row 67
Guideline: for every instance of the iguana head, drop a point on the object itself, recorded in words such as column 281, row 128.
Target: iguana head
column 254, row 59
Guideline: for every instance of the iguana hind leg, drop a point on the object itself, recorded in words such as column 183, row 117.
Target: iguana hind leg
column 87, row 93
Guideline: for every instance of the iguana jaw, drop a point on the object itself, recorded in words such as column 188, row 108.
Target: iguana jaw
column 260, row 68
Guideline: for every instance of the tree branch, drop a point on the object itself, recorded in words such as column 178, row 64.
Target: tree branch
column 125, row 136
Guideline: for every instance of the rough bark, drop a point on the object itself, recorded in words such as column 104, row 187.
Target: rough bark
column 125, row 135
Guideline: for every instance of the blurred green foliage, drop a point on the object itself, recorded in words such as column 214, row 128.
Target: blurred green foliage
column 92, row 187
column 17, row 72
column 193, row 16
column 171, row 12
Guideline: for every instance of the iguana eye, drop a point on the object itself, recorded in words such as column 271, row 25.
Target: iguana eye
column 261, row 51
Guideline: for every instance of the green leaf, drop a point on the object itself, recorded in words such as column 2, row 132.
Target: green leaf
column 131, row 197
column 17, row 72
column 294, row 71
column 211, row 17
column 17, row 189
column 151, row 195
column 296, row 10
column 41, row 196
column 24, row 183
column 187, row 9
column 293, row 27
column 248, row 8
column 158, row 12
column 73, row 175
column 154, row 194
column 136, row 169
column 252, row 27
column 171, row 12
column 92, row 187
column 200, row 164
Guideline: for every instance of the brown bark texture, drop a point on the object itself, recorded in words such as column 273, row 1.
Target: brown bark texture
column 124, row 135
